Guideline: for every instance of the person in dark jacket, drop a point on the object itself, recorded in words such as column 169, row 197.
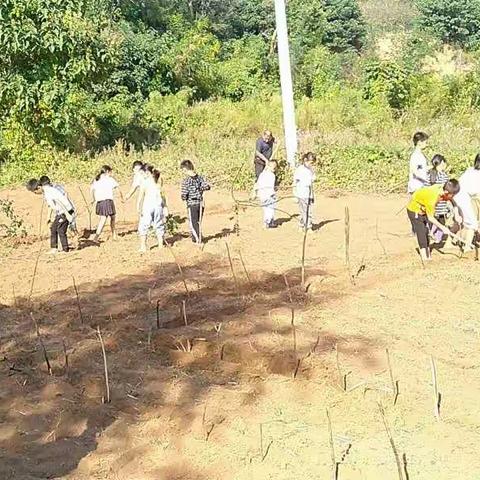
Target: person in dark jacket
column 193, row 186
column 263, row 152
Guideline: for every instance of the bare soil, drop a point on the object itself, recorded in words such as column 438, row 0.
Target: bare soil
column 234, row 391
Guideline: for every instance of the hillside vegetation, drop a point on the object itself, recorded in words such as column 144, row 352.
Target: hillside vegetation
column 86, row 82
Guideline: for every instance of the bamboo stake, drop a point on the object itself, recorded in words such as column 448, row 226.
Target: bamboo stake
column 347, row 245
column 400, row 466
column 232, row 270
column 32, row 283
column 287, row 284
column 244, row 267
column 179, row 268
column 332, row 448
column 304, row 244
column 107, row 385
column 89, row 210
column 436, row 393
column 158, row 314
column 342, row 379
column 78, row 300
column 45, row 356
column 37, row 329
column 394, row 383
column 66, row 355
column 184, row 312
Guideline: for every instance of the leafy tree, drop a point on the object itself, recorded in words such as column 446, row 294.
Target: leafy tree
column 453, row 21
column 345, row 27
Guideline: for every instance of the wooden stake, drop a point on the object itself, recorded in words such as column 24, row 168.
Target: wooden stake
column 232, row 270
column 304, row 244
column 45, row 356
column 294, row 334
column 289, row 291
column 158, row 314
column 244, row 268
column 32, row 283
column 400, row 466
column 66, row 355
column 179, row 268
column 347, row 245
column 184, row 312
column 37, row 329
column 107, row 385
column 261, row 440
column 436, row 394
column 332, row 448
column 342, row 379
column 394, row 383
column 89, row 210
column 78, row 300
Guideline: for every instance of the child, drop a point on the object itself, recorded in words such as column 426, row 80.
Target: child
column 418, row 163
column 152, row 208
column 467, row 202
column 437, row 176
column 303, row 189
column 102, row 190
column 193, row 186
column 421, row 212
column 265, row 191
column 138, row 178
column 44, row 180
column 62, row 207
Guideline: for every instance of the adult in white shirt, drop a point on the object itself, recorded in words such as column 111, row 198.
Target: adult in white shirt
column 303, row 188
column 102, row 190
column 418, row 172
column 468, row 202
column 265, row 191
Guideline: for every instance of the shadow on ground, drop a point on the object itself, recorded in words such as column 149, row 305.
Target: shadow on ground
column 160, row 330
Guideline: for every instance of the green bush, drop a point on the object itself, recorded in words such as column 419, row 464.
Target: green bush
column 319, row 72
column 453, row 21
column 389, row 80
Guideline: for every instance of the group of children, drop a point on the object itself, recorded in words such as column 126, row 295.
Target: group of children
column 151, row 203
column 303, row 180
column 441, row 207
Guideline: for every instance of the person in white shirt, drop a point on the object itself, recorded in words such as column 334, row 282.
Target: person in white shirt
column 418, row 172
column 138, row 178
column 468, row 202
column 152, row 208
column 59, row 204
column 44, row 180
column 264, row 189
column 303, row 189
column 102, row 190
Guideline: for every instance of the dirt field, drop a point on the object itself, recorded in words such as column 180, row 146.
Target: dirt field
column 217, row 398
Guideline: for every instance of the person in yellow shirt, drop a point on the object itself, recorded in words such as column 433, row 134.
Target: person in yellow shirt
column 421, row 212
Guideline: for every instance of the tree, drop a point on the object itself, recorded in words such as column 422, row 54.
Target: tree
column 453, row 21
column 345, row 27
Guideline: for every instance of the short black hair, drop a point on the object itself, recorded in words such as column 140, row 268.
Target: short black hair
column 476, row 164
column 137, row 163
column 187, row 165
column 32, row 185
column 44, row 180
column 452, row 187
column 420, row 137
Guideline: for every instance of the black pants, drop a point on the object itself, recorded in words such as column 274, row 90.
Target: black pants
column 259, row 167
column 420, row 226
column 58, row 229
column 195, row 215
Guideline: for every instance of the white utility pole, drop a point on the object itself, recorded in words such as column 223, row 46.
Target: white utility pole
column 289, row 122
